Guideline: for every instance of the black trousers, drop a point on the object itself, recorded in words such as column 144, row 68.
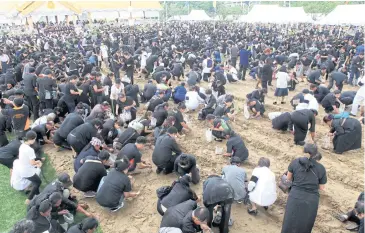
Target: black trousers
column 75, row 144
column 46, row 104
column 3, row 140
column 243, row 70
column 60, row 141
column 300, row 123
column 226, row 214
column 36, row 183
column 8, row 162
column 34, row 105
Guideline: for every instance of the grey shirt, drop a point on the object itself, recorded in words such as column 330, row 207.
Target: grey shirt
column 236, row 177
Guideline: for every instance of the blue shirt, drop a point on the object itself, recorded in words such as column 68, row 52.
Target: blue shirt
column 180, row 93
column 244, row 55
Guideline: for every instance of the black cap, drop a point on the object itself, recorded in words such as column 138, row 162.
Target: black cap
column 65, row 179
column 19, row 92
column 121, row 164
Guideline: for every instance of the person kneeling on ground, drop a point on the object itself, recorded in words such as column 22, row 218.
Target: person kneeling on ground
column 88, row 177
column 185, row 216
column 282, row 122
column 262, row 186
column 186, row 164
column 210, row 103
column 116, row 186
column 218, row 192
column 236, row 177
column 166, row 151
column 331, row 102
column 300, row 120
column 256, row 107
column 179, row 192
column 352, row 215
column 219, row 125
column 92, row 149
column 88, row 225
column 133, row 152
column 235, row 146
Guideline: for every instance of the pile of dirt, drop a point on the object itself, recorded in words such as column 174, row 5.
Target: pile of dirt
column 345, row 174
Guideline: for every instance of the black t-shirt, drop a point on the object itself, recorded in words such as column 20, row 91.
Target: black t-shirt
column 115, row 184
column 154, row 102
column 84, row 133
column 175, row 216
column 323, row 53
column 329, row 100
column 307, row 181
column 126, row 103
column 160, row 114
column 41, row 130
column 339, row 77
column 258, row 107
column 314, row 76
column 130, row 135
column 89, row 175
column 11, row 150
column 98, row 86
column 71, row 121
column 67, row 95
column 179, row 118
column 130, row 150
column 236, row 146
column 216, row 190
column 129, row 64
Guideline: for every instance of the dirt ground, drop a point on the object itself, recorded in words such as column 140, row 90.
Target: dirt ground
column 345, row 173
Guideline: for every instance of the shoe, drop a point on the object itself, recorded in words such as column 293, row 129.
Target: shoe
column 252, row 212
column 274, row 103
column 218, row 139
column 282, row 102
column 90, row 194
column 266, row 208
column 117, row 208
column 301, row 143
column 158, row 170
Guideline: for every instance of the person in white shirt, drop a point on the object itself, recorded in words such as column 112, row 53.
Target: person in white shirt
column 192, row 99
column 116, row 89
column 312, row 101
column 43, row 120
column 104, row 54
column 4, row 59
column 262, row 186
column 282, row 79
column 18, row 182
column 28, row 164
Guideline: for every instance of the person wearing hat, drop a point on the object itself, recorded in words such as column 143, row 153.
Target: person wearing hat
column 28, row 164
column 282, row 79
column 346, row 133
column 218, row 192
column 300, row 120
column 166, row 151
column 236, row 177
column 98, row 109
column 89, row 175
column 180, row 192
column 133, row 152
column 92, row 149
column 116, row 186
column 315, row 77
column 31, row 91
column 80, row 136
column 319, row 91
column 235, row 146
column 185, row 217
column 331, row 102
column 185, row 164
column 308, row 176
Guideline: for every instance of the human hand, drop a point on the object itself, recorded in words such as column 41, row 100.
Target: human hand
column 62, row 212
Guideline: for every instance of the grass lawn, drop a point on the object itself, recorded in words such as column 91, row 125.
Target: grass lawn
column 12, row 202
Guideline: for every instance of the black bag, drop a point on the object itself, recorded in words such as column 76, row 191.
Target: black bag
column 163, row 191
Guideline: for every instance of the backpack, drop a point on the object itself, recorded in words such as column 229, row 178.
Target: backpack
column 209, row 63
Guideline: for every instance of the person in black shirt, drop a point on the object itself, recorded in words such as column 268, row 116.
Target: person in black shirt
column 88, row 177
column 126, row 103
column 186, row 217
column 319, row 92
column 308, row 176
column 281, row 122
column 355, row 215
column 347, row 97
column 258, row 94
column 331, row 102
column 71, row 121
column 111, row 130
column 86, row 226
column 4, row 126
column 133, row 152
column 19, row 116
column 149, row 91
column 46, row 86
column 186, row 164
column 315, row 76
column 43, row 132
column 31, row 91
column 160, row 113
column 235, row 146
column 155, row 101
column 267, row 72
column 9, row 153
column 256, row 107
column 132, row 90
column 129, row 66
column 116, row 186
column 210, row 104
column 166, row 151
column 180, row 123
column 70, row 94
column 339, row 78
column 97, row 90
column 217, row 191
column 300, row 120
column 180, row 192
column 82, row 135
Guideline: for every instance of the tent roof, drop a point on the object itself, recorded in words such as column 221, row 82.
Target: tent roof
column 198, row 15
column 293, row 15
column 262, row 13
column 118, row 5
column 345, row 14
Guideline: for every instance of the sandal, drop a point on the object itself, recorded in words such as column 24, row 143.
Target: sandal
column 252, row 212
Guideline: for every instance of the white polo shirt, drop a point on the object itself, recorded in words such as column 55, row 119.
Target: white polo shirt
column 26, row 154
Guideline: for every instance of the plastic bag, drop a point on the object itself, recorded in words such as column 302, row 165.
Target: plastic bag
column 273, row 115
column 246, row 113
column 218, row 150
column 326, row 142
column 153, row 122
column 126, row 116
column 208, row 135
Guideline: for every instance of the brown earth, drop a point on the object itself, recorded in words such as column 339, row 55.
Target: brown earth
column 345, row 174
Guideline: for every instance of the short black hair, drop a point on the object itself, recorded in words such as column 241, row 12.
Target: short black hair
column 201, row 213
column 181, row 105
column 88, row 224
column 172, row 130
column 141, row 140
column 104, row 155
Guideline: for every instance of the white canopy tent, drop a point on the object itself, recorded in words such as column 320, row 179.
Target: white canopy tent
column 198, row 15
column 292, row 15
column 346, row 14
column 262, row 13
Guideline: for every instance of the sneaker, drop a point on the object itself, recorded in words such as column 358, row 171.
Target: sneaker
column 352, row 115
column 89, row 194
column 117, row 208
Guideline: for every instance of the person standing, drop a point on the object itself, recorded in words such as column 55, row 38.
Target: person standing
column 129, row 66
column 266, row 75
column 244, row 57
column 71, row 92
column 46, row 87
column 31, row 91
column 282, row 79
column 97, row 91
column 5, row 60
column 308, row 176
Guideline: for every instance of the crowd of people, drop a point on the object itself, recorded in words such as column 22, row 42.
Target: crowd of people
column 78, row 91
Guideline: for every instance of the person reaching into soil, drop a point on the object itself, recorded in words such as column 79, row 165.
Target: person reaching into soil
column 352, row 215
column 282, row 122
column 256, row 107
column 300, row 120
column 236, row 176
column 179, row 192
column 166, row 151
column 116, row 186
column 346, row 133
column 88, row 225
column 180, row 123
column 235, row 146
column 308, row 176
column 185, row 164
column 262, row 186
column 91, row 149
